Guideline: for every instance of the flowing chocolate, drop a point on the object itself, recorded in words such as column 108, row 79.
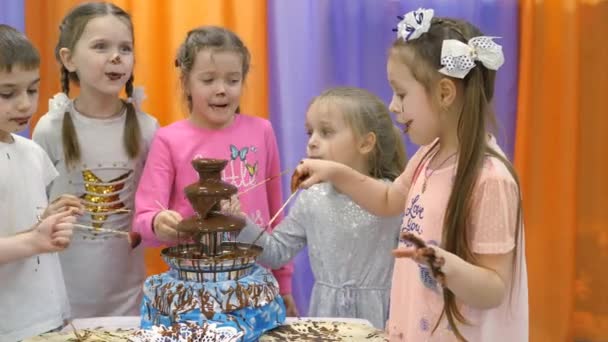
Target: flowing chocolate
column 296, row 179
column 207, row 250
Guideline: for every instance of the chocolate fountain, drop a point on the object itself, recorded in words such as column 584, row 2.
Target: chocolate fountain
column 207, row 249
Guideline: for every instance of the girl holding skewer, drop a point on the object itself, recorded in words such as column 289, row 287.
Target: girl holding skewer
column 349, row 248
column 213, row 64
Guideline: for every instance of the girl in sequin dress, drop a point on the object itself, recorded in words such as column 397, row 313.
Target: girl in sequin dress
column 99, row 144
column 464, row 277
column 349, row 248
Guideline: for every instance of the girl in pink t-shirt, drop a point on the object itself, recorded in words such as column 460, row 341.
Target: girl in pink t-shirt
column 460, row 272
column 213, row 64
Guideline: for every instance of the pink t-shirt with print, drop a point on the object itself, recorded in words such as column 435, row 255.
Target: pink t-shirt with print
column 416, row 299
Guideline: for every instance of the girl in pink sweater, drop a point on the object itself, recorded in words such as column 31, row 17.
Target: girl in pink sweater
column 214, row 63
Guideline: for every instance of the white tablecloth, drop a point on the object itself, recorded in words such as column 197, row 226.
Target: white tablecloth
column 132, row 322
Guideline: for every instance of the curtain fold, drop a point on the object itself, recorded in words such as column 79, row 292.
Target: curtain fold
column 560, row 155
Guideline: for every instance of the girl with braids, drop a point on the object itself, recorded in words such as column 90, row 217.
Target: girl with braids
column 462, row 228
column 99, row 144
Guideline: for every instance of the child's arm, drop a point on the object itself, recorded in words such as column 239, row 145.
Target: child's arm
column 275, row 201
column 52, row 234
column 377, row 197
column 286, row 240
column 481, row 286
column 150, row 220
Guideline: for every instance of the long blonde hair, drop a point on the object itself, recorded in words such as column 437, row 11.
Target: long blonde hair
column 70, row 31
column 422, row 56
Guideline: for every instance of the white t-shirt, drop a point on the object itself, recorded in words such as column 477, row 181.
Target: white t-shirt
column 33, row 297
column 103, row 275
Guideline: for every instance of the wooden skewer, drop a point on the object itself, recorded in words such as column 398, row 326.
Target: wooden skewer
column 273, row 219
column 263, row 182
column 160, row 205
column 134, row 238
column 110, row 210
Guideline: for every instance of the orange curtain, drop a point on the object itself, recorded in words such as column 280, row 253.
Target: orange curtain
column 560, row 154
column 160, row 26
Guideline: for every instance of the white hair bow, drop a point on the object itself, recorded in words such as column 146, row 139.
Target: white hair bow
column 59, row 104
column 414, row 23
column 137, row 97
column 459, row 58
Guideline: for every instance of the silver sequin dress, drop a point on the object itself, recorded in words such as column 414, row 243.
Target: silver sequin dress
column 349, row 251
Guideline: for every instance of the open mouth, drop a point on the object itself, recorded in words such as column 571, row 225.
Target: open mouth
column 22, row 121
column 219, row 106
column 114, row 76
column 407, row 125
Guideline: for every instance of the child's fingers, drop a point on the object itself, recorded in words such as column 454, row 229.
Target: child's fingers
column 69, row 201
column 63, row 216
column 67, row 219
column 429, row 257
column 415, row 240
column 62, row 236
column 61, row 242
column 404, row 253
column 303, row 176
column 174, row 217
column 165, row 224
column 235, row 204
column 167, row 233
column 308, row 180
column 224, row 205
column 302, row 168
column 438, row 262
column 439, row 276
column 63, row 227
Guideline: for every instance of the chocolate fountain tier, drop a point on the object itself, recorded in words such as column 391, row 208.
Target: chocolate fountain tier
column 210, row 189
column 194, row 263
column 215, row 222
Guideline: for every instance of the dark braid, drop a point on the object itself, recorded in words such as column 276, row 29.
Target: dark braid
column 132, row 132
column 69, row 137
column 65, row 80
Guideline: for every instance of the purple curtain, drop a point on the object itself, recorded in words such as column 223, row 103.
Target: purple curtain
column 12, row 12
column 317, row 44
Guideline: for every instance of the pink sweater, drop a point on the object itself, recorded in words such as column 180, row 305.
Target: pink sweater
column 250, row 146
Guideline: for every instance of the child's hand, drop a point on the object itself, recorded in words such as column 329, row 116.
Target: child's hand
column 64, row 203
column 165, row 224
column 290, row 306
column 313, row 171
column 53, row 234
column 232, row 206
column 422, row 254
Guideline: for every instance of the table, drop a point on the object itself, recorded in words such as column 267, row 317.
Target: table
column 132, row 322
